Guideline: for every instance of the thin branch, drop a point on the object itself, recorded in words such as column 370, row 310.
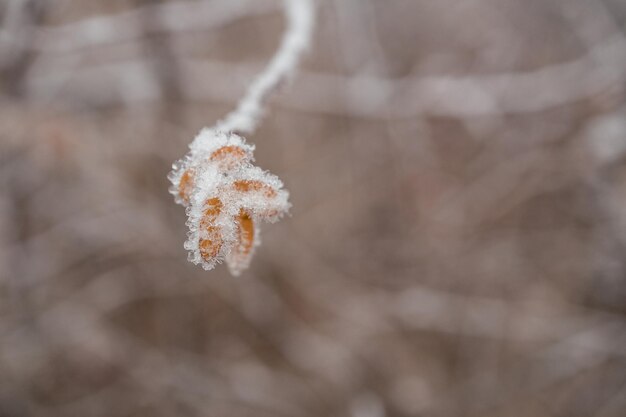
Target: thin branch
column 299, row 14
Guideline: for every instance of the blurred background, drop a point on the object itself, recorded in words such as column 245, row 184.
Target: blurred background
column 457, row 242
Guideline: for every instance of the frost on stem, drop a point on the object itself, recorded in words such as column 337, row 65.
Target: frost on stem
column 224, row 194
column 246, row 116
column 225, row 197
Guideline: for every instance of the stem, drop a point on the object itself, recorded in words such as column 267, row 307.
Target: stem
column 296, row 38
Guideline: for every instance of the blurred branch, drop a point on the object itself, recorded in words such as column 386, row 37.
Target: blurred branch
column 601, row 70
column 21, row 18
column 174, row 17
column 428, row 309
column 164, row 61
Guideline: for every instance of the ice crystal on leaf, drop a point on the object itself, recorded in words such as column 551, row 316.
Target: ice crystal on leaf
column 224, row 194
column 225, row 197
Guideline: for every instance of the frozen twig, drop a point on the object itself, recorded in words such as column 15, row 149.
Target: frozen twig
column 297, row 37
column 225, row 195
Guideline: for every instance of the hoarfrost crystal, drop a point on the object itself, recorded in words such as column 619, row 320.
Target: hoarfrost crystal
column 225, row 197
column 224, row 194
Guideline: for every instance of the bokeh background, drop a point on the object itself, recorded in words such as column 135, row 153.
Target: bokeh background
column 457, row 242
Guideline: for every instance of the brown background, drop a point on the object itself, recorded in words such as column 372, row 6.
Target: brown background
column 458, row 231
